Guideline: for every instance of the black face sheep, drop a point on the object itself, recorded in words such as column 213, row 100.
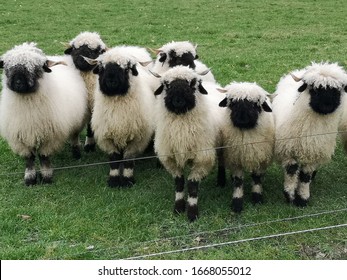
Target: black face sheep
column 179, row 53
column 186, row 132
column 40, row 107
column 87, row 44
column 122, row 118
column 307, row 109
column 248, row 137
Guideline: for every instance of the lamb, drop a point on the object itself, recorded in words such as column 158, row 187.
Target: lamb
column 86, row 44
column 179, row 53
column 187, row 127
column 122, row 118
column 40, row 108
column 307, row 109
column 248, row 137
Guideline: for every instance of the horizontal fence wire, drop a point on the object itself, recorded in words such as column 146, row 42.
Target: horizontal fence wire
column 212, row 232
column 180, row 153
column 215, row 245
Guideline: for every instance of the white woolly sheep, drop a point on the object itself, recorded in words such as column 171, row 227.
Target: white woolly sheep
column 307, row 110
column 86, row 44
column 179, row 53
column 187, row 127
column 122, row 118
column 40, row 108
column 248, row 137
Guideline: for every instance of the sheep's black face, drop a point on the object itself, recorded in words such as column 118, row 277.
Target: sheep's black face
column 244, row 114
column 21, row 80
column 114, row 80
column 78, row 53
column 187, row 59
column 180, row 97
column 324, row 100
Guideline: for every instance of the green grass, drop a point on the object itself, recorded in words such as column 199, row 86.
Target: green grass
column 79, row 217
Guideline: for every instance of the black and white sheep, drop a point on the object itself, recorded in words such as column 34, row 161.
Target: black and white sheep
column 40, row 108
column 307, row 109
column 248, row 137
column 86, row 44
column 179, row 53
column 187, row 127
column 122, row 118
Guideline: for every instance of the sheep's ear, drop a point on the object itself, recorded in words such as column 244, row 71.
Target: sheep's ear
column 159, row 90
column 266, row 107
column 202, row 89
column 1, row 64
column 134, row 70
column 46, row 68
column 68, row 50
column 163, row 57
column 302, row 88
column 192, row 83
column 196, row 57
column 344, row 88
column 224, row 102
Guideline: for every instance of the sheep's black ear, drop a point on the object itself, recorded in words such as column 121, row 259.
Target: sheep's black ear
column 202, row 89
column 224, row 102
column 196, row 57
column 46, row 68
column 266, row 107
column 1, row 64
column 68, row 51
column 192, row 83
column 163, row 57
column 96, row 69
column 302, row 88
column 134, row 70
column 344, row 88
column 159, row 90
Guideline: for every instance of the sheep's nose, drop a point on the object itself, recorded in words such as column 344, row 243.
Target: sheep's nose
column 178, row 102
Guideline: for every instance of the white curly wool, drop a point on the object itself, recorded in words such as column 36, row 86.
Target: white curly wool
column 124, row 122
column 45, row 119
column 252, row 149
column 92, row 39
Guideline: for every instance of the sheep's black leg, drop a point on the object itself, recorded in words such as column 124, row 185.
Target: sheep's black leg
column 30, row 177
column 127, row 179
column 75, row 146
column 257, row 189
column 192, row 201
column 237, row 201
column 89, row 145
column 302, row 194
column 114, row 179
column 221, row 174
column 46, row 169
column 291, row 171
column 180, row 203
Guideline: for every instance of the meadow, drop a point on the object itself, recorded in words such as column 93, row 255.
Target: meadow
column 80, row 217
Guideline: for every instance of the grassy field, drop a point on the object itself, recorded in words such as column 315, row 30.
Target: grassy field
column 79, row 217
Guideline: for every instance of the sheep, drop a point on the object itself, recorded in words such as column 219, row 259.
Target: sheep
column 86, row 44
column 248, row 137
column 187, row 127
column 179, row 53
column 122, row 118
column 307, row 109
column 40, row 108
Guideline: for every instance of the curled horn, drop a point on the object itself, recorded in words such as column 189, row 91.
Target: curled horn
column 154, row 51
column 145, row 63
column 90, row 61
column 222, row 90
column 295, row 78
column 155, row 74
column 203, row 73
column 51, row 63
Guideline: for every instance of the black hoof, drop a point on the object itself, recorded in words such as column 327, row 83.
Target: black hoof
column 30, row 181
column 89, row 148
column 180, row 206
column 287, row 197
column 257, row 198
column 127, row 182
column 192, row 213
column 47, row 180
column 76, row 152
column 237, row 205
column 113, row 181
column 300, row 202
